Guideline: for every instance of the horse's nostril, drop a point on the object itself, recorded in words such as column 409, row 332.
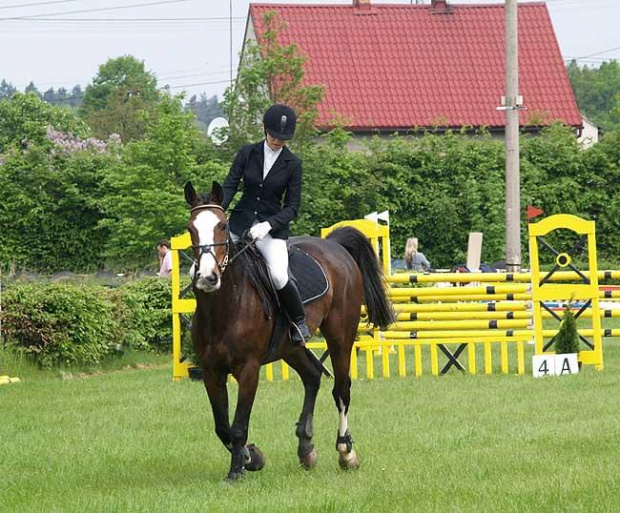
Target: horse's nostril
column 211, row 279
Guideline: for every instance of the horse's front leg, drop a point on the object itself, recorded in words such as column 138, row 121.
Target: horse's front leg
column 215, row 383
column 247, row 377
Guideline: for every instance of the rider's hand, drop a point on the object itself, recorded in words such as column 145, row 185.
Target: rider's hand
column 258, row 231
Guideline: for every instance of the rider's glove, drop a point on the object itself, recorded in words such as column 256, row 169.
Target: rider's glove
column 258, row 231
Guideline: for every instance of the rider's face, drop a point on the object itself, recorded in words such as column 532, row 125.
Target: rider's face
column 273, row 143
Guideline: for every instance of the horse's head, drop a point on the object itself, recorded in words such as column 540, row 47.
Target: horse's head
column 208, row 229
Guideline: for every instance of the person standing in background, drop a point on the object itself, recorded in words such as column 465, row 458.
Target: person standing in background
column 165, row 258
column 414, row 260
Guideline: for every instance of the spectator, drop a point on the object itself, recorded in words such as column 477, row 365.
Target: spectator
column 165, row 258
column 414, row 260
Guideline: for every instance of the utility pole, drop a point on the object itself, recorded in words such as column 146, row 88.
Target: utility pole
column 511, row 104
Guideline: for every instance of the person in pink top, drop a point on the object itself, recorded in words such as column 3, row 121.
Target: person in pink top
column 165, row 258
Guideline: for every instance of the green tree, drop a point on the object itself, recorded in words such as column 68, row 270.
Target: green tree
column 144, row 199
column 598, row 92
column 269, row 73
column 77, row 96
column 25, row 118
column 31, row 88
column 205, row 109
column 63, row 97
column 49, row 210
column 120, row 99
column 6, row 89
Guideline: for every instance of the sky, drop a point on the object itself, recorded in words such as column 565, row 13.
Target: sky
column 187, row 43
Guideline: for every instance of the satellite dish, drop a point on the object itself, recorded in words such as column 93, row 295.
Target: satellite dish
column 218, row 131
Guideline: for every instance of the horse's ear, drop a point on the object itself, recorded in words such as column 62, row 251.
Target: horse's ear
column 217, row 193
column 190, row 194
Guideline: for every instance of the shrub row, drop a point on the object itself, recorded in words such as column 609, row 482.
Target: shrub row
column 81, row 324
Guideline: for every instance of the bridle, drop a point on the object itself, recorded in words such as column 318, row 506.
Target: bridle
column 207, row 249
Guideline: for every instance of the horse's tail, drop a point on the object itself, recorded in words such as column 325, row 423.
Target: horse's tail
column 379, row 308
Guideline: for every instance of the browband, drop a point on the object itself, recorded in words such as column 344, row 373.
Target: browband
column 201, row 207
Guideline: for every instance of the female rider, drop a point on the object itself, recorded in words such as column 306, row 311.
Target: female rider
column 271, row 195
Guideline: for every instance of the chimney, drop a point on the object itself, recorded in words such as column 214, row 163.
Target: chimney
column 440, row 6
column 363, row 7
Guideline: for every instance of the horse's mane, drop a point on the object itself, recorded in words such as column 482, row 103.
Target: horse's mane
column 252, row 263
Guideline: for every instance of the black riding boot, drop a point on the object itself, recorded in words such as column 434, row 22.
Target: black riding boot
column 291, row 301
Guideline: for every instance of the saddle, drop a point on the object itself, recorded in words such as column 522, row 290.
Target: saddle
column 311, row 281
column 307, row 273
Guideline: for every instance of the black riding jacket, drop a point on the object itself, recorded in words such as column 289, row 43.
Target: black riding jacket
column 275, row 199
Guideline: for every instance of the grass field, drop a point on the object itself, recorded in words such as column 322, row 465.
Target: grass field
column 133, row 441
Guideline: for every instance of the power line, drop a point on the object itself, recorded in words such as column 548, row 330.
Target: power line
column 165, row 75
column 21, row 6
column 166, row 87
column 582, row 59
column 114, row 20
column 196, row 84
column 580, row 2
column 193, row 75
column 598, row 53
column 132, row 6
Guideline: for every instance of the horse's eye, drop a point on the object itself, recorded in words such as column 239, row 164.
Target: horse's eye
column 223, row 226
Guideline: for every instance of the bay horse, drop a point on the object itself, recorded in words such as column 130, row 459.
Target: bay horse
column 231, row 332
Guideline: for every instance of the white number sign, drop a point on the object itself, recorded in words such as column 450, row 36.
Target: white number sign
column 554, row 365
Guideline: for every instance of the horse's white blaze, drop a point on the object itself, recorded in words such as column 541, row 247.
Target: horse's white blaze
column 205, row 224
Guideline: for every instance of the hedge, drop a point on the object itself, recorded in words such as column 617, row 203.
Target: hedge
column 80, row 324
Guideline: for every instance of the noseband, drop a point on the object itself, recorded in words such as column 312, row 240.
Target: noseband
column 207, row 249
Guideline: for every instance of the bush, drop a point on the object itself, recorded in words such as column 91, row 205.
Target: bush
column 148, row 316
column 567, row 339
column 79, row 324
column 61, row 324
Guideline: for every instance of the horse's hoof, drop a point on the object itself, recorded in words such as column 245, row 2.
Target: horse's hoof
column 233, row 477
column 348, row 460
column 310, row 460
column 257, row 459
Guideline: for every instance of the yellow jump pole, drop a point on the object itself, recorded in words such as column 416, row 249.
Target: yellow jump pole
column 455, row 316
column 498, row 306
column 515, row 288
column 402, row 368
column 403, row 278
column 471, row 357
column 465, row 297
column 418, row 360
column 459, row 325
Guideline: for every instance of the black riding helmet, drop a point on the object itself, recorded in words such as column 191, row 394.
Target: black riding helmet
column 280, row 121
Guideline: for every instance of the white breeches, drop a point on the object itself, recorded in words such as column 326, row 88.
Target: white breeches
column 275, row 253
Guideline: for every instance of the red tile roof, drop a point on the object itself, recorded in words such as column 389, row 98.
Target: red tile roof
column 400, row 66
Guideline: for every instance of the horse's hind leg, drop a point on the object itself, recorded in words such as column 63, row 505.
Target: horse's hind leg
column 311, row 378
column 340, row 342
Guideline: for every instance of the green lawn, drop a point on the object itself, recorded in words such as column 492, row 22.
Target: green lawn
column 135, row 441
